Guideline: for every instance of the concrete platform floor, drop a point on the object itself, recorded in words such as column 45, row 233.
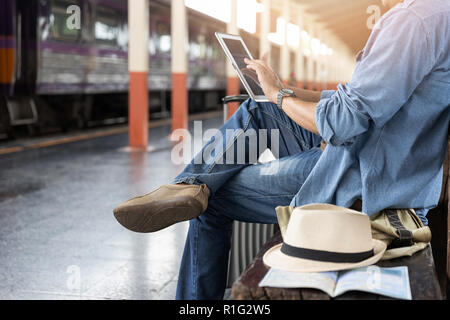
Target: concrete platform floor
column 58, row 236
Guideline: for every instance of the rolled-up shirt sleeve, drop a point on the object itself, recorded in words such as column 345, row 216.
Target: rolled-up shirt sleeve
column 396, row 59
column 326, row 94
column 338, row 121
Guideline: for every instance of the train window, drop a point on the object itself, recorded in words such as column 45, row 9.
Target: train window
column 58, row 21
column 216, row 50
column 202, row 44
column 163, row 38
column 194, row 51
column 107, row 26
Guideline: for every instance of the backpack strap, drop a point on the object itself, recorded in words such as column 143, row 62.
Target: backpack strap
column 405, row 236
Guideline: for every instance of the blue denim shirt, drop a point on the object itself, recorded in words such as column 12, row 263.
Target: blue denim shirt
column 387, row 129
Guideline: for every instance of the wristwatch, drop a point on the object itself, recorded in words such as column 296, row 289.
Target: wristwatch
column 284, row 93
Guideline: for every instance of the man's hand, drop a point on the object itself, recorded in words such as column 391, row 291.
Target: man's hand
column 301, row 109
column 269, row 80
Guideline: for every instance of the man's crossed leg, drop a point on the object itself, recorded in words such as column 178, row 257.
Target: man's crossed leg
column 213, row 191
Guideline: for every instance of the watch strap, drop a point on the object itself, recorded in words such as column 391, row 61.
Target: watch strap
column 281, row 95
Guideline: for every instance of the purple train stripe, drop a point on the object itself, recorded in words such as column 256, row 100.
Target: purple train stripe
column 7, row 42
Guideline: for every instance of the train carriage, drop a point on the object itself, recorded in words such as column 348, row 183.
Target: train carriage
column 55, row 75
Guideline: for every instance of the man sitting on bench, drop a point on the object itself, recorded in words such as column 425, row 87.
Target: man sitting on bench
column 384, row 133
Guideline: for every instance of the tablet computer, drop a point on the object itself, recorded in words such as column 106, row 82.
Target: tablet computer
column 236, row 51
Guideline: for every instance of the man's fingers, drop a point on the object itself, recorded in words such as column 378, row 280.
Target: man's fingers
column 254, row 67
column 253, row 64
column 256, row 61
column 248, row 61
column 260, row 62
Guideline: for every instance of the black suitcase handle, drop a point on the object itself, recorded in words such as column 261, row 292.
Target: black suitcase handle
column 229, row 99
column 236, row 98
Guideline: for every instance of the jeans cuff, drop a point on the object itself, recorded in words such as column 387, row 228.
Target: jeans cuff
column 187, row 179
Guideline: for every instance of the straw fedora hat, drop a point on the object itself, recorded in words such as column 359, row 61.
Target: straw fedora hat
column 323, row 237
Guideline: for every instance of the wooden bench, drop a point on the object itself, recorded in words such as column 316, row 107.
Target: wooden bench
column 429, row 270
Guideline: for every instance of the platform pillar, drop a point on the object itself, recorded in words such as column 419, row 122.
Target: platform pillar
column 285, row 51
column 299, row 56
column 138, row 65
column 340, row 64
column 330, row 65
column 334, row 64
column 321, row 63
column 264, row 43
column 233, row 83
column 180, row 97
column 310, row 60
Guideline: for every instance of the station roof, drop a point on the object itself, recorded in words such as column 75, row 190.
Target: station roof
column 346, row 19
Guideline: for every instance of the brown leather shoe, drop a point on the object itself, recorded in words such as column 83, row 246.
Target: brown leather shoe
column 163, row 207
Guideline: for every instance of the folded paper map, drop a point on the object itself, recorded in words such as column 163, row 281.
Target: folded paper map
column 390, row 282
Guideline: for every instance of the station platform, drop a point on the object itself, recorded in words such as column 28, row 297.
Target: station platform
column 58, row 236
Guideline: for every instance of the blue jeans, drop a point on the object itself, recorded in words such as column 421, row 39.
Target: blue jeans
column 241, row 191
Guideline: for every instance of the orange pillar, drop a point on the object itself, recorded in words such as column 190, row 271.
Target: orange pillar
column 138, row 60
column 180, row 108
column 7, row 56
column 138, row 110
column 233, row 88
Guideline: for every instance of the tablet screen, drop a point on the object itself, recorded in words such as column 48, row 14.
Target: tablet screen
column 239, row 53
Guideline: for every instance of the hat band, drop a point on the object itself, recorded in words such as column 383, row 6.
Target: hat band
column 325, row 256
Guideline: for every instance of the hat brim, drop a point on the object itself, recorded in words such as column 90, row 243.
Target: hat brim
column 276, row 259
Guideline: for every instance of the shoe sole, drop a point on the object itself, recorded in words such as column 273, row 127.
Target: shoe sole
column 156, row 216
